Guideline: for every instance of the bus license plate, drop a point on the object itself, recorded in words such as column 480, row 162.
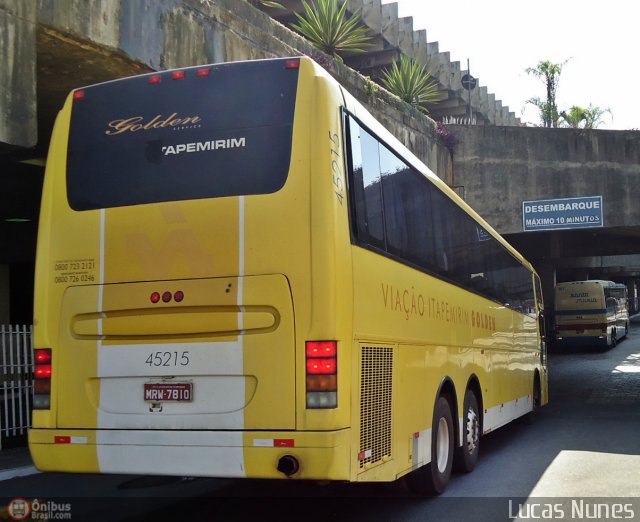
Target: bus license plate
column 168, row 391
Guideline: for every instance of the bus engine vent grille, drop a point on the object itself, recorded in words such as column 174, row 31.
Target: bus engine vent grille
column 375, row 405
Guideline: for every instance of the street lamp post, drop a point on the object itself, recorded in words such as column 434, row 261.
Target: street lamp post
column 469, row 83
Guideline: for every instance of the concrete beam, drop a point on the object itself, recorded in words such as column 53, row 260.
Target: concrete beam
column 18, row 105
column 503, row 166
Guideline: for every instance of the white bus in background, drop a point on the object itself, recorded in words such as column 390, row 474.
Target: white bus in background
column 590, row 313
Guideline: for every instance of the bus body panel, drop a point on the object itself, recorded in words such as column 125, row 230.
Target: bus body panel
column 468, row 335
column 217, row 349
column 236, row 454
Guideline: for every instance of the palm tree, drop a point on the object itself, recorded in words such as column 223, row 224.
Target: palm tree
column 593, row 116
column 325, row 25
column 549, row 73
column 574, row 118
column 412, row 83
column 581, row 118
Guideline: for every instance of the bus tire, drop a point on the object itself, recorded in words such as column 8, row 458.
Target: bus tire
column 433, row 478
column 614, row 338
column 466, row 455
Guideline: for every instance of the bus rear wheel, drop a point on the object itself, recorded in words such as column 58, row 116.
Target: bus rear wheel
column 467, row 454
column 433, row 478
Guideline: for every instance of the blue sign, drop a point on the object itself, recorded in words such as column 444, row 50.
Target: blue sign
column 558, row 214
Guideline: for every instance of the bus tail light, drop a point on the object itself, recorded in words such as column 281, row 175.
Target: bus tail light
column 322, row 374
column 42, row 379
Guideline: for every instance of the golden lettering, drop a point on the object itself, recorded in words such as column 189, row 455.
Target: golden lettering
column 137, row 123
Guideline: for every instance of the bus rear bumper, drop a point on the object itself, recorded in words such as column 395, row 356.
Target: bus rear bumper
column 593, row 340
column 240, row 454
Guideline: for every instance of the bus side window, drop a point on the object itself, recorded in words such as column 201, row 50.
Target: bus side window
column 367, row 190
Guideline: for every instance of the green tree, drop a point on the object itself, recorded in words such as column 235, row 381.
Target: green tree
column 549, row 73
column 574, row 118
column 593, row 116
column 581, row 118
column 412, row 83
column 324, row 23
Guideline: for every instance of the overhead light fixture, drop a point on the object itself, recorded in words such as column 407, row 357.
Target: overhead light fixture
column 17, row 220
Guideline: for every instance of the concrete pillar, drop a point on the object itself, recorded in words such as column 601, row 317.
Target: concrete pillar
column 18, row 105
column 5, row 312
column 633, row 291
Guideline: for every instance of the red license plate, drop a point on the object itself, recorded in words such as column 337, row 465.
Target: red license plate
column 168, row 391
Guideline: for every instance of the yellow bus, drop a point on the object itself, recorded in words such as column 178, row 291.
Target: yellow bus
column 591, row 312
column 241, row 273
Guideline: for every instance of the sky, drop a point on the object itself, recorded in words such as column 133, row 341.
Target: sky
column 599, row 40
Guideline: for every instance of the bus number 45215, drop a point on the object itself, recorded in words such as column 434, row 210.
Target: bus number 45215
column 168, row 359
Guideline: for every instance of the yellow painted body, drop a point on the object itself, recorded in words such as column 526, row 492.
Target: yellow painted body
column 275, row 271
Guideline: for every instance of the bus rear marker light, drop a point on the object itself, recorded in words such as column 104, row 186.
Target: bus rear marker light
column 321, row 374
column 42, row 372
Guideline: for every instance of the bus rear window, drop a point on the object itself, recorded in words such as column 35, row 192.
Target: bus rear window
column 203, row 132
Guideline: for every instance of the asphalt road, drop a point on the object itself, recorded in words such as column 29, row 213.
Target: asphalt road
column 580, row 458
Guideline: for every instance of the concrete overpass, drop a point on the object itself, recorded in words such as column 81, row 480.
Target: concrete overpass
column 497, row 169
column 51, row 46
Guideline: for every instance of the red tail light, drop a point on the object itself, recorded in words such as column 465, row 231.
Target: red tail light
column 292, row 64
column 178, row 75
column 43, row 370
column 200, row 73
column 154, row 79
column 322, row 374
column 78, row 95
column 321, row 366
column 322, row 348
column 43, row 356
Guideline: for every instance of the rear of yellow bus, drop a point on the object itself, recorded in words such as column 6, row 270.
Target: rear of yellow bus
column 192, row 298
column 581, row 315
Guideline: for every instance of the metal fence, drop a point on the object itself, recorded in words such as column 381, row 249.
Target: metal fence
column 16, row 380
